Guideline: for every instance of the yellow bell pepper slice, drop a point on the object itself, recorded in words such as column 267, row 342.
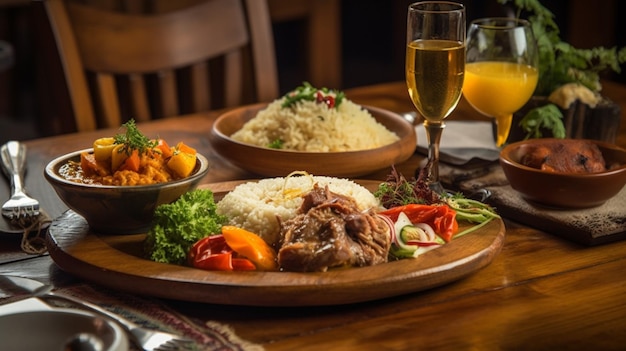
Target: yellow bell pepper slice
column 182, row 164
column 118, row 157
column 103, row 148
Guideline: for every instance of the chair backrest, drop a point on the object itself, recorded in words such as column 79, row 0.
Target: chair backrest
column 322, row 37
column 117, row 66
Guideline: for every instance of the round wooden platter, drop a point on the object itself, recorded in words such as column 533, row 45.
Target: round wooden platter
column 116, row 261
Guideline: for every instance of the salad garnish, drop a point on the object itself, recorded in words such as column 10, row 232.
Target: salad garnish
column 177, row 226
column 307, row 92
column 276, row 144
column 414, row 213
column 396, row 190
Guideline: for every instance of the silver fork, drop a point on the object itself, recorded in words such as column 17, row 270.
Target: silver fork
column 19, row 205
column 147, row 339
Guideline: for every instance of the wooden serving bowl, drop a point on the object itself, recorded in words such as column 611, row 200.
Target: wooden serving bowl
column 279, row 163
column 564, row 190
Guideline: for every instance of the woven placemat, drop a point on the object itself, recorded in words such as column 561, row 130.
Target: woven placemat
column 208, row 335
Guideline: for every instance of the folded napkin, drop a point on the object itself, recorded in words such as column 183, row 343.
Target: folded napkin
column 150, row 313
column 462, row 143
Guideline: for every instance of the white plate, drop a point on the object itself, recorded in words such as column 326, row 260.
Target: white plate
column 43, row 328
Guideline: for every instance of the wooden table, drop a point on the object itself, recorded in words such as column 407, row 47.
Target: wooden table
column 541, row 292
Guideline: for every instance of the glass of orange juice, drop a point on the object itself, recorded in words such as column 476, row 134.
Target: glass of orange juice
column 501, row 69
column 435, row 64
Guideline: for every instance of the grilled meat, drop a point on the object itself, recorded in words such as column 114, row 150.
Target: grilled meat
column 330, row 231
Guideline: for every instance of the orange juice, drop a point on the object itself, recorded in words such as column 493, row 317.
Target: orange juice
column 498, row 88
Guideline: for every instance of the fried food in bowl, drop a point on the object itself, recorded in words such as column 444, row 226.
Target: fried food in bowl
column 565, row 173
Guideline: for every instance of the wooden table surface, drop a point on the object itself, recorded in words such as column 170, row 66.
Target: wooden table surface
column 541, row 292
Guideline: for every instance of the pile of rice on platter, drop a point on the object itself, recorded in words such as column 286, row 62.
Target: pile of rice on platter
column 307, row 223
column 315, row 120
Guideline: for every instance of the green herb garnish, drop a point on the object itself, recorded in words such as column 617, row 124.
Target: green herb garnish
column 470, row 210
column 339, row 96
column 276, row 144
column 133, row 139
column 307, row 92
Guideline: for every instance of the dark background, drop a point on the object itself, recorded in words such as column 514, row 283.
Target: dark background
column 372, row 36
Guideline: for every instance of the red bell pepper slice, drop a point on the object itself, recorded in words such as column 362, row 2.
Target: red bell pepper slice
column 242, row 264
column 212, row 253
column 215, row 262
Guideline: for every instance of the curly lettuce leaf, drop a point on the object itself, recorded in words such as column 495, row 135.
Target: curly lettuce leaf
column 177, row 226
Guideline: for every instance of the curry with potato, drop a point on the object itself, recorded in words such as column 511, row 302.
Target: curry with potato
column 131, row 158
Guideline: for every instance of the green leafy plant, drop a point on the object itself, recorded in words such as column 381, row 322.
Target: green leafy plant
column 559, row 64
column 546, row 117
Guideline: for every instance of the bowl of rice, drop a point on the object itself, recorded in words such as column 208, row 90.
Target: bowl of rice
column 324, row 135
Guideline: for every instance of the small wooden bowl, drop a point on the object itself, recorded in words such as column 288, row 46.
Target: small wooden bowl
column 279, row 163
column 119, row 209
column 564, row 190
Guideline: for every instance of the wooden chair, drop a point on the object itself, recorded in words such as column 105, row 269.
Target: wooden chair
column 119, row 66
column 323, row 56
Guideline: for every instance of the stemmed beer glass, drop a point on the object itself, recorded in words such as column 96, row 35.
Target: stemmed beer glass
column 501, row 69
column 435, row 65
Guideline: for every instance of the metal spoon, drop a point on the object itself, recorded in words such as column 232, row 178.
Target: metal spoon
column 84, row 342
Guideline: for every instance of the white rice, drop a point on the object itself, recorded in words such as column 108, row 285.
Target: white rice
column 255, row 206
column 313, row 127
